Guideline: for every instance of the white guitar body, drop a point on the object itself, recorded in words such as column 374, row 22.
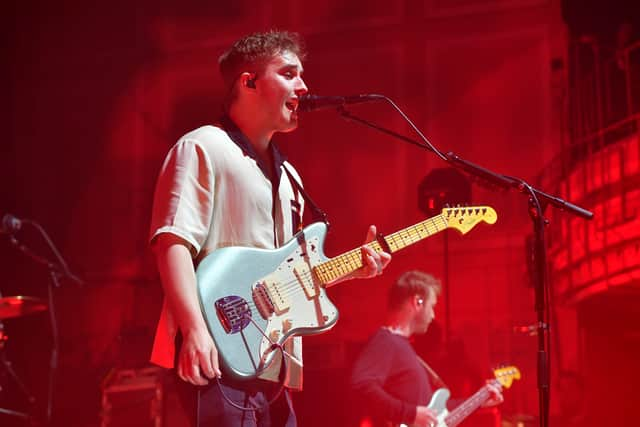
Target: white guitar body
column 438, row 405
column 249, row 304
column 254, row 300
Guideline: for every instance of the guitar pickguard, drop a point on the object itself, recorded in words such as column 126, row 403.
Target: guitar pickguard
column 305, row 308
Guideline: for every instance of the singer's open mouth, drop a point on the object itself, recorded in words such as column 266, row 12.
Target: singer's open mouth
column 292, row 105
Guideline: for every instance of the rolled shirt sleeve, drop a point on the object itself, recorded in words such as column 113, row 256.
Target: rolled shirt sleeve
column 183, row 201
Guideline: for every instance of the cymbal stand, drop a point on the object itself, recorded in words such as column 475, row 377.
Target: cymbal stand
column 7, row 367
column 57, row 269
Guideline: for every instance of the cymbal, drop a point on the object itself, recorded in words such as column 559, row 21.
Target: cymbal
column 20, row 306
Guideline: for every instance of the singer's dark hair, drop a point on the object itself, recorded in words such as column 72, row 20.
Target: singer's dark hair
column 412, row 283
column 251, row 53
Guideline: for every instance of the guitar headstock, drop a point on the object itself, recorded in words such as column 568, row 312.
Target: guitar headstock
column 506, row 375
column 465, row 218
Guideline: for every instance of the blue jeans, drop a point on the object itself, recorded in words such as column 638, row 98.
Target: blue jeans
column 206, row 407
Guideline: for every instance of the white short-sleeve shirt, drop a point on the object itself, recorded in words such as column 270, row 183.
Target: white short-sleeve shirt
column 212, row 192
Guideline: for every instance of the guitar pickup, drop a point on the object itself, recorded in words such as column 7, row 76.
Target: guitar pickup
column 277, row 295
column 305, row 278
column 262, row 300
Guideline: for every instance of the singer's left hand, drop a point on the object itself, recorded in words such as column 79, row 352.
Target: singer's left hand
column 373, row 262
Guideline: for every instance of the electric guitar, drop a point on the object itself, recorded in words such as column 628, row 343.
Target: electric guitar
column 438, row 404
column 254, row 299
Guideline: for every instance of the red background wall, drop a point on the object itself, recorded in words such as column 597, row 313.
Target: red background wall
column 95, row 94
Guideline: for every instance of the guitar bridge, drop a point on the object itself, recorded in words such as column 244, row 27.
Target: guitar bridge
column 234, row 313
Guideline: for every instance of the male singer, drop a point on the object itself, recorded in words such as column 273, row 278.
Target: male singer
column 226, row 185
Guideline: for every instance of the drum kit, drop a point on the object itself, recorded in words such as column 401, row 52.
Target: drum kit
column 18, row 306
column 10, row 308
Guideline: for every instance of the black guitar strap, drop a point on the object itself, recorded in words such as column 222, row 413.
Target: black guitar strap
column 317, row 213
column 437, row 381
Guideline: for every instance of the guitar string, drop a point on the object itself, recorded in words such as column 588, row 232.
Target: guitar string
column 344, row 264
column 464, row 409
column 352, row 260
column 292, row 287
column 336, row 267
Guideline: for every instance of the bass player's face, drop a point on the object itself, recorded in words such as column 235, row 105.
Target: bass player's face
column 425, row 312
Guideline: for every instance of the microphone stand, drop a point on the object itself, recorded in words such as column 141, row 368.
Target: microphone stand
column 537, row 203
column 56, row 271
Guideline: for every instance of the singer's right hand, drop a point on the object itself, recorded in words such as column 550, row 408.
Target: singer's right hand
column 198, row 360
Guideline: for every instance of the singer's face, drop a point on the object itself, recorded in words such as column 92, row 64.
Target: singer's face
column 280, row 86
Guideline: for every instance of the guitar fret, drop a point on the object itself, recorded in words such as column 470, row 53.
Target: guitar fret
column 467, row 407
column 342, row 265
column 416, row 233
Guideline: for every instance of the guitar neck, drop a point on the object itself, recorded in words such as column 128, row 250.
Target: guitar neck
column 467, row 407
column 344, row 264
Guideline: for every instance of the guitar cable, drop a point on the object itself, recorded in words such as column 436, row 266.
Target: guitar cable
column 284, row 366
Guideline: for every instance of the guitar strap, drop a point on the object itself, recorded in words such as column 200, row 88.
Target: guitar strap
column 241, row 140
column 317, row 213
column 437, row 381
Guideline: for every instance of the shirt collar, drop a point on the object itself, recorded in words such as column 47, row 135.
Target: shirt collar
column 242, row 141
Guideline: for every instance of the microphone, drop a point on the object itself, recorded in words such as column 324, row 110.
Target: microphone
column 317, row 102
column 10, row 224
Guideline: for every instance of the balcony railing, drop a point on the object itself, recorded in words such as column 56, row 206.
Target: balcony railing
column 598, row 167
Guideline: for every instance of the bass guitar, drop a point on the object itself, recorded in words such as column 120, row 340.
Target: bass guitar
column 254, row 300
column 438, row 404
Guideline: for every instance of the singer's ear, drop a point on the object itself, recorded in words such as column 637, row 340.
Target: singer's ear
column 248, row 80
